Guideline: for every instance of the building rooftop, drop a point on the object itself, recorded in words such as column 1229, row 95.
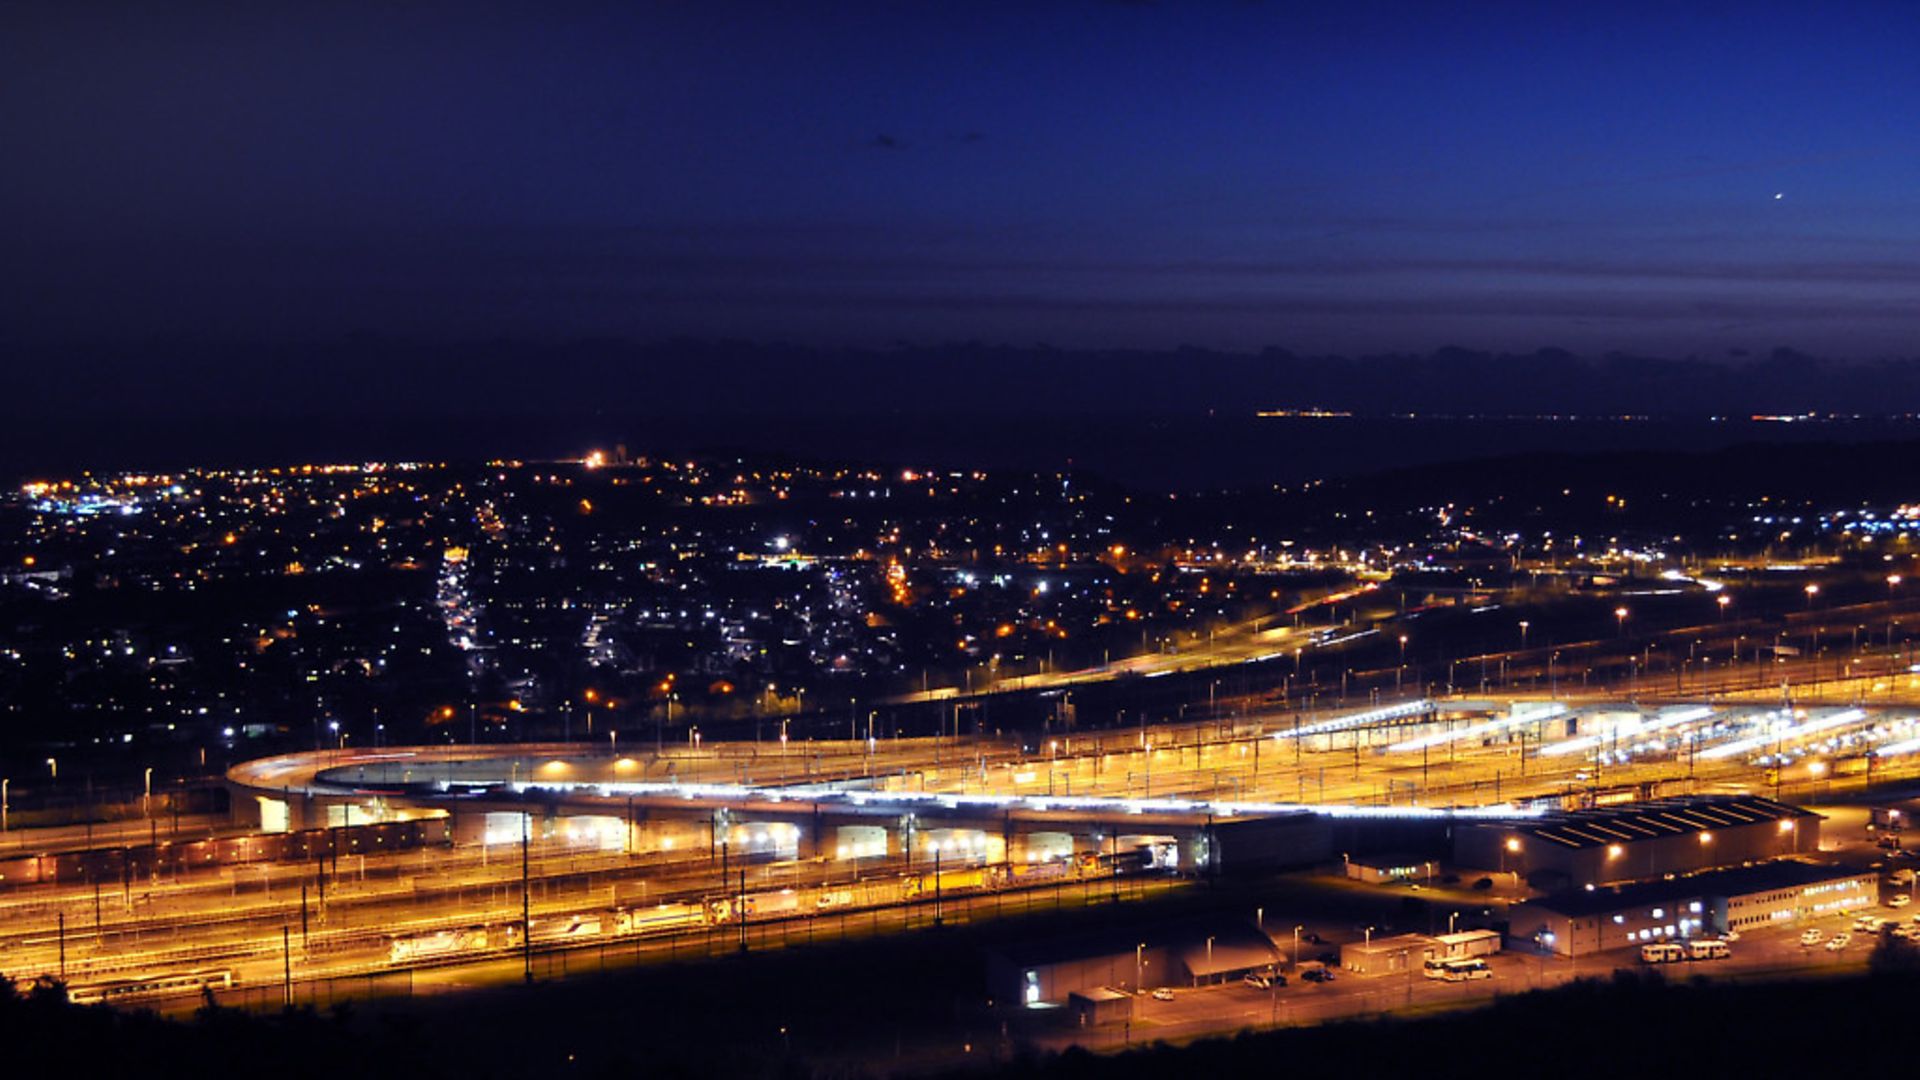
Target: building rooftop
column 1739, row 881
column 1656, row 818
column 1396, row 943
column 1232, row 939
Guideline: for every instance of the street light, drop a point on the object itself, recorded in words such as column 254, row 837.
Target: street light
column 1523, row 634
column 1620, row 621
column 1723, row 600
column 1812, row 591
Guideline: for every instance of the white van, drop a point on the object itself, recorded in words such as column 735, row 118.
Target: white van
column 1662, row 952
column 1708, row 949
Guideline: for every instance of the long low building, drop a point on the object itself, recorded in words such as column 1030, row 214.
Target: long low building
column 1639, row 841
column 1394, row 955
column 1580, row 922
column 1048, row 973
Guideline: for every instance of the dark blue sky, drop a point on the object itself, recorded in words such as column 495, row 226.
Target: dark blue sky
column 1325, row 177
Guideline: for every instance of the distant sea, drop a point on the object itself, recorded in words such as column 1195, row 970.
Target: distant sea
column 1181, row 453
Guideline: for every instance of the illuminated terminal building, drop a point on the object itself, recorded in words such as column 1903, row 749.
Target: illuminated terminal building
column 1581, row 922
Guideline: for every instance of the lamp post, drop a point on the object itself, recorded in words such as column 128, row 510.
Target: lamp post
column 1523, row 634
column 1139, row 963
column 1620, row 621
column 1294, row 962
column 1812, row 591
column 1721, row 602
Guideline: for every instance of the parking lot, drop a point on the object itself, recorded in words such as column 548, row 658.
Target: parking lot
column 1775, row 952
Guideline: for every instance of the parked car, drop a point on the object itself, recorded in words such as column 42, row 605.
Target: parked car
column 1811, row 936
column 1161, row 993
column 1839, row 941
column 1318, row 975
column 1257, row 981
column 1899, row 899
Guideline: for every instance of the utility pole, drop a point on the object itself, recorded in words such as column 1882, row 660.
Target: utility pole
column 286, row 965
column 526, row 898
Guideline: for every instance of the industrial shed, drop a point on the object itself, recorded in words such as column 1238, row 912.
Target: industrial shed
column 1467, row 943
column 1100, row 1005
column 1228, row 954
column 1395, row 955
column 1639, row 841
column 1048, row 973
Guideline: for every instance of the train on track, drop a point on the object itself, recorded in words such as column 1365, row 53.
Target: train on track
column 711, row 911
column 168, row 856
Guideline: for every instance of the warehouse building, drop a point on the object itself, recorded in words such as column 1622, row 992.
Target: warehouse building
column 1580, row 922
column 1390, row 868
column 1639, row 842
column 1048, row 973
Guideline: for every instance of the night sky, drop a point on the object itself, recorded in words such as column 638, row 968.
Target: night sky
column 1323, row 177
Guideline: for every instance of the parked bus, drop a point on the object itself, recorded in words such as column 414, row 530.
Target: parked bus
column 1465, row 969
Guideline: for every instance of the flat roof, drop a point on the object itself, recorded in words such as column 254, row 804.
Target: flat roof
column 1396, row 943
column 1656, row 818
column 1395, row 860
column 1465, row 936
column 1736, row 882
